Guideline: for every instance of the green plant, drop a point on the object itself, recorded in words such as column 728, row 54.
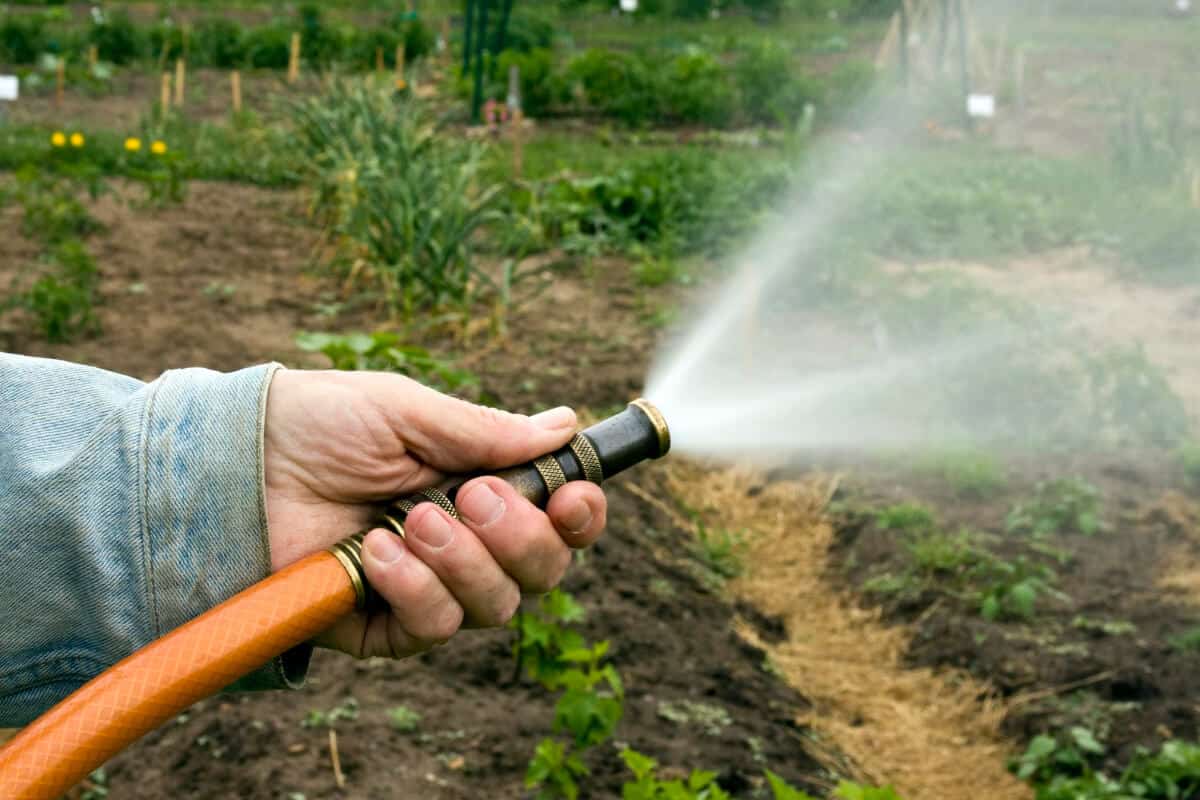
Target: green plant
column 384, row 351
column 911, row 517
column 770, row 87
column 1188, row 641
column 268, row 46
column 588, row 714
column 936, row 552
column 543, row 637
column 219, row 42
column 1047, row 757
column 346, row 710
column 847, row 790
column 695, row 88
column 1009, row 590
column 402, row 203
column 117, row 39
column 720, row 551
column 553, row 771
column 403, row 719
column 1063, row 505
column 1131, row 395
column 967, row 471
column 614, row 83
column 22, row 38
column 646, row 785
column 655, row 271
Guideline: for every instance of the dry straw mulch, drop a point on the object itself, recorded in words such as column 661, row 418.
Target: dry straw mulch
column 932, row 735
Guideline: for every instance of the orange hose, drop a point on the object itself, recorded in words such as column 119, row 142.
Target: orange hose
column 191, row 662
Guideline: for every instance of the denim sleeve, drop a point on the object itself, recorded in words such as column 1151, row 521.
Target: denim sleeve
column 126, row 509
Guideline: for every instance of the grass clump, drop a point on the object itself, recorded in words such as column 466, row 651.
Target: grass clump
column 1188, row 641
column 911, row 517
column 968, row 472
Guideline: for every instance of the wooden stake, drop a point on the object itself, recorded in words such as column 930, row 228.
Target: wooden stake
column 180, row 79
column 164, row 95
column 518, row 142
column 338, row 777
column 60, row 80
column 399, row 63
column 379, row 59
column 235, row 87
column 1196, row 187
column 293, row 73
column 93, row 55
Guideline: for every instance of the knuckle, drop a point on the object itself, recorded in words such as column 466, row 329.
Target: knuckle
column 507, row 601
column 438, row 626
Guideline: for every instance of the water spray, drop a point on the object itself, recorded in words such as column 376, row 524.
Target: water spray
column 287, row 609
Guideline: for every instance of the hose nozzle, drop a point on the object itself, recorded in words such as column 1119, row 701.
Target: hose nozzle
column 595, row 454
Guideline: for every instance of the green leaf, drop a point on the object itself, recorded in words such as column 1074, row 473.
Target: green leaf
column 781, row 790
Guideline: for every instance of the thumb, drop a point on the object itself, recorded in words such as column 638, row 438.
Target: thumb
column 453, row 435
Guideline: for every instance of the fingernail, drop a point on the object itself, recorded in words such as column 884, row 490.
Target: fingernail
column 481, row 505
column 578, row 518
column 434, row 530
column 554, row 418
column 385, row 549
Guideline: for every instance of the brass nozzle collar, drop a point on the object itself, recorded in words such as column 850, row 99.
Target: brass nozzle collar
column 658, row 421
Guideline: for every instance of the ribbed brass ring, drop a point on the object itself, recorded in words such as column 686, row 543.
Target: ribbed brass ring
column 436, row 495
column 551, row 472
column 348, row 552
column 585, row 452
column 405, row 504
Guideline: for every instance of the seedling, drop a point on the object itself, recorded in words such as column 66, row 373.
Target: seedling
column 403, row 719
column 720, row 551
column 1009, row 590
column 346, row 710
column 1064, row 505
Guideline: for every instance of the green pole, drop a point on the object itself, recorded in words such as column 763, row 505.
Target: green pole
column 502, row 31
column 468, row 26
column 480, row 49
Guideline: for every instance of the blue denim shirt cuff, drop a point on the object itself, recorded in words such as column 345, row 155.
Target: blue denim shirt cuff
column 205, row 501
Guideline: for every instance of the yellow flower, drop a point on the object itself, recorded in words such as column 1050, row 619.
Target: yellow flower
column 58, row 139
column 76, row 140
column 158, row 147
column 133, row 144
column 401, row 84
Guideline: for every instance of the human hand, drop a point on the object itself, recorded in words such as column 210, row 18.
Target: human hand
column 338, row 443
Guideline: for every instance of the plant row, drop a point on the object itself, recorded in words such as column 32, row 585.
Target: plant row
column 212, row 41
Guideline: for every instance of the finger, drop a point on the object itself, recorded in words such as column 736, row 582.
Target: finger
column 488, row 596
column 579, row 511
column 423, row 611
column 517, row 533
column 453, row 435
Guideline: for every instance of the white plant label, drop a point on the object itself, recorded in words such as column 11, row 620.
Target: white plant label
column 981, row 105
column 10, row 87
column 629, row 6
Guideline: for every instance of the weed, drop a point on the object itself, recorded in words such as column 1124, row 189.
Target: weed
column 910, row 517
column 1060, row 506
column 384, row 351
column 656, row 271
column 1059, row 768
column 403, row 719
column 1046, row 757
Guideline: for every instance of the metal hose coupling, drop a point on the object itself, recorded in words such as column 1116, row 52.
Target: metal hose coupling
column 595, row 454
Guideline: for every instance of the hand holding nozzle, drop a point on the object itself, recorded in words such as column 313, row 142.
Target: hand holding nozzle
column 603, row 450
column 367, row 438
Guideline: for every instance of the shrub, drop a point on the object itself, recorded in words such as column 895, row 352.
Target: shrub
column 1009, row 590
column 117, row 39
column 614, row 83
column 696, row 88
column 541, row 88
column 268, row 46
column 22, row 38
column 770, row 89
column 166, row 41
column 219, row 42
column 528, row 31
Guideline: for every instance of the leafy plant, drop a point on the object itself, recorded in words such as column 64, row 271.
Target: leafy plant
column 937, row 552
column 1188, row 641
column 1047, row 757
column 1009, row 590
column 969, row 472
column 346, row 710
column 588, row 714
column 554, row 771
column 543, row 637
column 646, row 785
column 403, row 719
column 1063, row 505
column 385, row 351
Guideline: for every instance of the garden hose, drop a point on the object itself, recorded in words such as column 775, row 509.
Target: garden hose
column 210, row 652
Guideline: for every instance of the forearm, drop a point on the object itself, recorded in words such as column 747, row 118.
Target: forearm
column 127, row 509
